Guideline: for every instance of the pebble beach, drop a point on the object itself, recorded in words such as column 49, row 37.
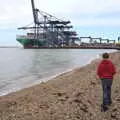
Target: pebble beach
column 75, row 95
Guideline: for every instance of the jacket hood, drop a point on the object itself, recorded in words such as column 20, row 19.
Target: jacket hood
column 106, row 62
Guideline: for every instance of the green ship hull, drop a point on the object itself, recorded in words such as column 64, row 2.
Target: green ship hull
column 31, row 43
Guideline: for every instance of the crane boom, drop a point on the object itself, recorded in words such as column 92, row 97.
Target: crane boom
column 35, row 15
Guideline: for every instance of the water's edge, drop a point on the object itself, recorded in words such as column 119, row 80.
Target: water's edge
column 45, row 79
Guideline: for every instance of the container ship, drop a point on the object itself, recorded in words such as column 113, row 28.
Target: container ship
column 47, row 32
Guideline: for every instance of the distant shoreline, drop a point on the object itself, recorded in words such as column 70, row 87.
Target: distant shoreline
column 10, row 47
column 61, row 48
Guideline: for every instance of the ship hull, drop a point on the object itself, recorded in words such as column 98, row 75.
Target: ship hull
column 35, row 44
column 31, row 43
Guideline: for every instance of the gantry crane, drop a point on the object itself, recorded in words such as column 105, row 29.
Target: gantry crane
column 50, row 29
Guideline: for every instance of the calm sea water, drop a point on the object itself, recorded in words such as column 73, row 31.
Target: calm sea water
column 21, row 68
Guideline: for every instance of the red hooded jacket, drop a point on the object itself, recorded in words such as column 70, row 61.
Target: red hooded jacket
column 106, row 69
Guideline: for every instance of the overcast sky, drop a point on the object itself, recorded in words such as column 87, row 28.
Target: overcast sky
column 96, row 18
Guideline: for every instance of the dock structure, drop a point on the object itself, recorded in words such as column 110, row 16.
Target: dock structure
column 96, row 40
column 112, row 41
column 98, row 43
column 48, row 31
column 119, row 39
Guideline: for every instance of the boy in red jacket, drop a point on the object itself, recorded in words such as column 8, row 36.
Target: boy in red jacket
column 106, row 71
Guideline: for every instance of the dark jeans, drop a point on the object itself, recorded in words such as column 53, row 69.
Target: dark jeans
column 106, row 85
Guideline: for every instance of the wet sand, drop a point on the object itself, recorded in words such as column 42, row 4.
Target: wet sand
column 75, row 95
